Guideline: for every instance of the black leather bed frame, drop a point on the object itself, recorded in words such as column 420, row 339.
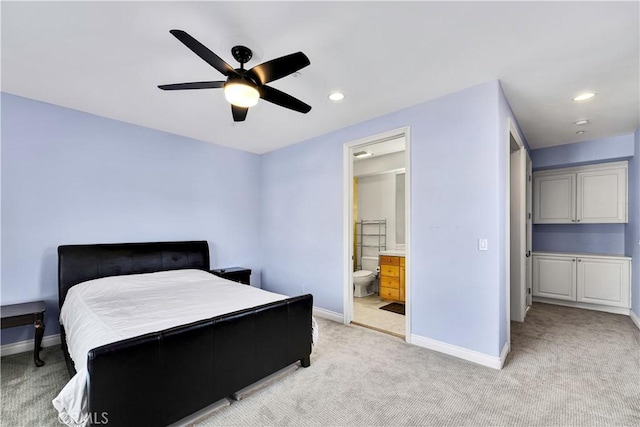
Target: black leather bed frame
column 159, row 378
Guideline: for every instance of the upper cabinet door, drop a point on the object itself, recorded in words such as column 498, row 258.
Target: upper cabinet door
column 554, row 199
column 602, row 196
column 582, row 194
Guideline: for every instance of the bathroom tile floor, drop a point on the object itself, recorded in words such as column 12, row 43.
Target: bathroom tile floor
column 366, row 312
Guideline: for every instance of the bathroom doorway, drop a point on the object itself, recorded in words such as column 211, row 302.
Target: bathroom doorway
column 377, row 274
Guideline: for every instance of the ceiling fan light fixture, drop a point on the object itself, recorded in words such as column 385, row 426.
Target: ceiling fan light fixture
column 241, row 94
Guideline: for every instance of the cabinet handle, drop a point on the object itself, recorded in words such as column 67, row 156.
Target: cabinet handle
column 573, row 220
column 577, row 220
column 528, row 254
column 573, row 260
column 579, row 260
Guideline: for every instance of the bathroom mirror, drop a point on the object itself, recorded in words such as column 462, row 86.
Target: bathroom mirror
column 400, row 208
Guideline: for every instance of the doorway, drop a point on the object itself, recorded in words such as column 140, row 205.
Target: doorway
column 519, row 229
column 376, row 232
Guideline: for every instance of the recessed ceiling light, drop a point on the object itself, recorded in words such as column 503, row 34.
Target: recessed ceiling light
column 581, row 122
column 361, row 154
column 584, row 96
column 336, row 96
column 580, row 132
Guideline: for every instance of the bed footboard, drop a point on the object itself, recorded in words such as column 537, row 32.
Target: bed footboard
column 160, row 378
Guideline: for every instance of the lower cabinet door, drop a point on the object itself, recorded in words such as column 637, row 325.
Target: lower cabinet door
column 554, row 277
column 604, row 281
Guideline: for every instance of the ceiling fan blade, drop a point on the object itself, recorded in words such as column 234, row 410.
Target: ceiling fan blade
column 280, row 67
column 192, row 85
column 282, row 99
column 239, row 113
column 203, row 52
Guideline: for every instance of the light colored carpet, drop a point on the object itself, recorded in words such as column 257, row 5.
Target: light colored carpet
column 568, row 367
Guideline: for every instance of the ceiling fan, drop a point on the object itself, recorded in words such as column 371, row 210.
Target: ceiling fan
column 243, row 87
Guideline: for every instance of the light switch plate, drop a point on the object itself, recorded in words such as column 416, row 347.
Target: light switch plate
column 483, row 244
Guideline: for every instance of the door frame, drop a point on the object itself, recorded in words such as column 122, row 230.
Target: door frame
column 347, row 233
column 512, row 131
column 529, row 229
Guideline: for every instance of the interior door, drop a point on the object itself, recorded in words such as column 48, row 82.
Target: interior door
column 517, row 234
column 528, row 232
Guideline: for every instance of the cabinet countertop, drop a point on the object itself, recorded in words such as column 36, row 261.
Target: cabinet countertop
column 581, row 254
column 392, row 252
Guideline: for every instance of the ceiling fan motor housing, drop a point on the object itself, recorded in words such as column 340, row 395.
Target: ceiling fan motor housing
column 242, row 54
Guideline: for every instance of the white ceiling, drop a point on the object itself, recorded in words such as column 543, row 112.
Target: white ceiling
column 107, row 58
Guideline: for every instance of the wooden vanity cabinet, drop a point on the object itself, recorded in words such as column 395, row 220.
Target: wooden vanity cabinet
column 392, row 278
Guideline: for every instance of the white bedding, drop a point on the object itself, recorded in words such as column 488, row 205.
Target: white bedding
column 110, row 309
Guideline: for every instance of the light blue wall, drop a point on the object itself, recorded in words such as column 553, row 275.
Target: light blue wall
column 505, row 115
column 581, row 153
column 70, row 177
column 584, row 238
column 457, row 169
column 632, row 248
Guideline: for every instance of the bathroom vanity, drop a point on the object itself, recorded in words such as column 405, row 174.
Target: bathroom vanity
column 392, row 264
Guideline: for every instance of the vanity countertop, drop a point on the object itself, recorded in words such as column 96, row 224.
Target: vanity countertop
column 393, row 252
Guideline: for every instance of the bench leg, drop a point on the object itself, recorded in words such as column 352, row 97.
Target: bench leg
column 39, row 325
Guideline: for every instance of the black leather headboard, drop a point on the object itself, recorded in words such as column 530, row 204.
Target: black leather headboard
column 79, row 263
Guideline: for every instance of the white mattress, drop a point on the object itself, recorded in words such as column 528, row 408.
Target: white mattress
column 110, row 309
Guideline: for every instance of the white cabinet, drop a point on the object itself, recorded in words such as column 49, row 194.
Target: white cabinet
column 603, row 281
column 602, row 195
column 585, row 194
column 590, row 279
column 554, row 199
column 554, row 277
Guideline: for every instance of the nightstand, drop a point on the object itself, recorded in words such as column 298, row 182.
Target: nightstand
column 237, row 274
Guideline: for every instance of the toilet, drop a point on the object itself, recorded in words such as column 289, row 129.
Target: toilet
column 363, row 279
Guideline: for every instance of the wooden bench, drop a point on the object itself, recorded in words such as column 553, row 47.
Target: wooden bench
column 29, row 313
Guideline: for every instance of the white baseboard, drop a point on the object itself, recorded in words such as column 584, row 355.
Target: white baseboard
column 327, row 314
column 461, row 352
column 27, row 345
column 504, row 353
column 584, row 305
column 635, row 318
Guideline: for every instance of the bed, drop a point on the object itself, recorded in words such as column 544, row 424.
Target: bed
column 161, row 377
